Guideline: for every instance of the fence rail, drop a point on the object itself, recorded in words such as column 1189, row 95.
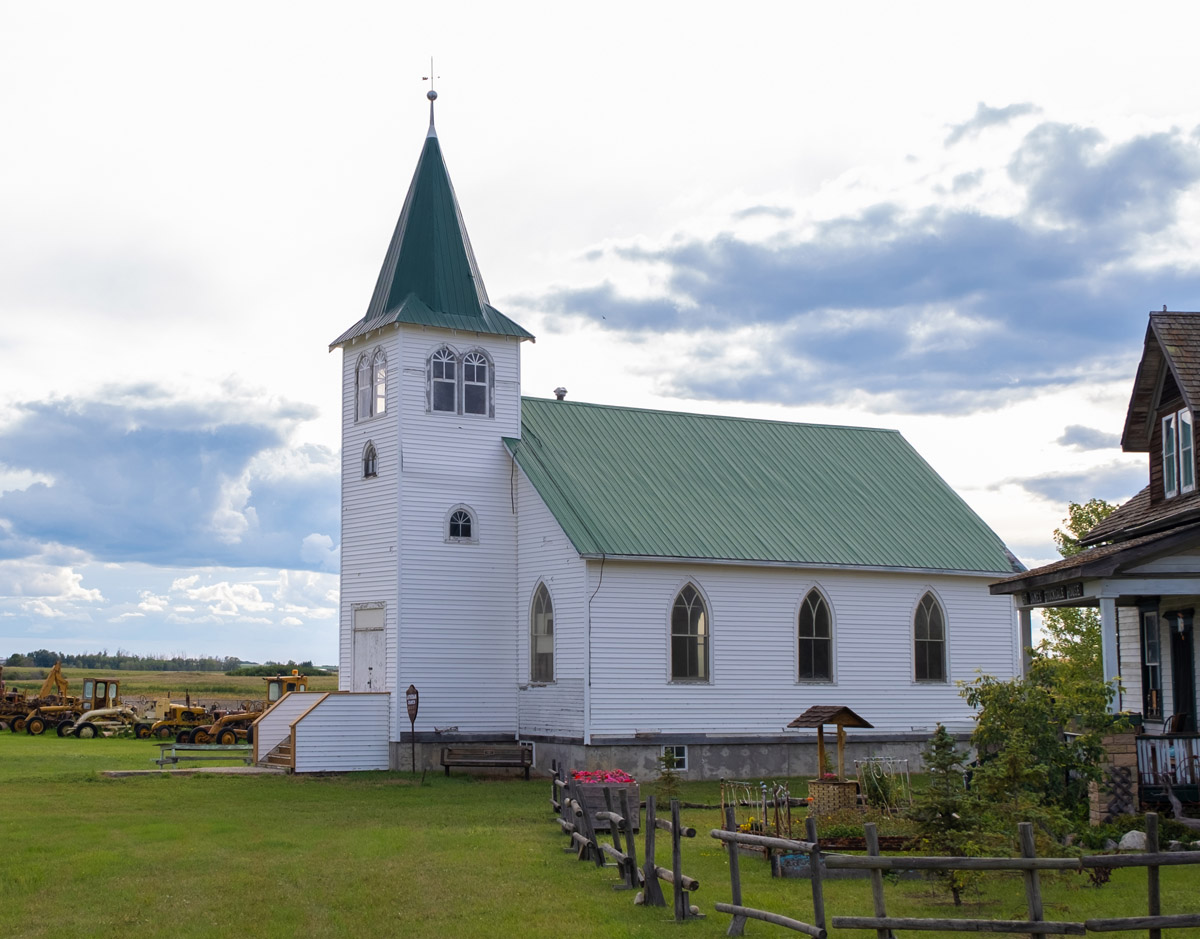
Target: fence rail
column 1029, row 865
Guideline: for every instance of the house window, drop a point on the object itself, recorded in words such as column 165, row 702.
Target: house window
column 689, row 637
column 541, row 637
column 460, row 524
column 674, row 756
column 379, row 381
column 370, row 461
column 443, row 381
column 929, row 640
column 815, row 641
column 1178, row 451
column 475, row 383
column 1152, row 708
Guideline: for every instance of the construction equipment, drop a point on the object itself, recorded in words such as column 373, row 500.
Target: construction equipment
column 235, row 727
column 179, row 717
column 13, row 705
column 102, row 714
column 53, row 705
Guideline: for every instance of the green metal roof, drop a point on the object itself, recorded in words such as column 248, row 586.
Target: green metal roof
column 429, row 275
column 639, row 483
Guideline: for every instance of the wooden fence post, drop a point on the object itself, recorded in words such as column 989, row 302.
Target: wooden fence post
column 872, row 835
column 818, row 891
column 1154, row 899
column 631, row 864
column 652, row 895
column 737, row 925
column 1033, row 885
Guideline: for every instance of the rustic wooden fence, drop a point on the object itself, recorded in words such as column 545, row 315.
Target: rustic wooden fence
column 1028, row 864
column 576, row 821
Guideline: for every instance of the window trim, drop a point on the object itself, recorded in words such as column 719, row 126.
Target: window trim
column 1178, row 459
column 798, row 639
column 459, row 383
column 541, row 587
column 680, row 754
column 707, row 677
column 459, row 539
column 370, row 461
column 1150, row 669
column 945, row 640
column 370, row 384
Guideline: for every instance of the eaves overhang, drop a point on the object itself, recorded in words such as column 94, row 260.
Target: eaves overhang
column 793, row 565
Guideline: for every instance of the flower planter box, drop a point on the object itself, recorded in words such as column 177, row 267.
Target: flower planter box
column 591, row 794
column 829, row 797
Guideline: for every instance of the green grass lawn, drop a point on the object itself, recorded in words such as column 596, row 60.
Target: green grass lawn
column 383, row 854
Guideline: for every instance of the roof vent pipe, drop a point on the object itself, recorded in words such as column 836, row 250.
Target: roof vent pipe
column 560, row 392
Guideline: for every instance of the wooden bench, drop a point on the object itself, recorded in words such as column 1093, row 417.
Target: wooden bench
column 513, row 755
column 173, row 753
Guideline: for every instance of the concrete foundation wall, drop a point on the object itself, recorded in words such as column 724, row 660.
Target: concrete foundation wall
column 706, row 760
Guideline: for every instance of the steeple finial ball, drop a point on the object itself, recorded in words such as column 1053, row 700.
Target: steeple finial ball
column 431, row 95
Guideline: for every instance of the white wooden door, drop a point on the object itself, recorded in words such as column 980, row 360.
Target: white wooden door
column 369, row 651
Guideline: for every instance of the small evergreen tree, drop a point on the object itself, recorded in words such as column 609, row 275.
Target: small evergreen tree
column 942, row 810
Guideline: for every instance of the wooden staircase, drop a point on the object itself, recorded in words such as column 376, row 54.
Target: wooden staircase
column 281, row 755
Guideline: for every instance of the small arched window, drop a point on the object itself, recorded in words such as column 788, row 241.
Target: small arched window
column 379, row 381
column 929, row 640
column 541, row 637
column 370, row 461
column 815, row 639
column 443, row 381
column 475, row 383
column 460, row 524
column 689, row 636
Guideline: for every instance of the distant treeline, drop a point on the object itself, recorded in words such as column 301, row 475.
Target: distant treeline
column 45, row 658
column 279, row 668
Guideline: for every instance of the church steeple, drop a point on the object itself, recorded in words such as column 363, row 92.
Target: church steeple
column 429, row 275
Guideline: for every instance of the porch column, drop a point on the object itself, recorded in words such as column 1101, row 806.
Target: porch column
column 1025, row 620
column 1108, row 645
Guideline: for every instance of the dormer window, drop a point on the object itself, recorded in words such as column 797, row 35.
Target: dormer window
column 1178, row 451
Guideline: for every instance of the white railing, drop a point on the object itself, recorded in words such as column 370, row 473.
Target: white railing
column 1177, row 756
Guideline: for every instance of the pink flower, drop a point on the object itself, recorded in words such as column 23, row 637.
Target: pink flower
column 611, row 776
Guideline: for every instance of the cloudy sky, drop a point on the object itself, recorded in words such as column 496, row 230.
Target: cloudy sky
column 944, row 218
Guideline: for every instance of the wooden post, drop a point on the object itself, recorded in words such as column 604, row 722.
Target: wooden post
column 820, row 750
column 738, row 924
column 652, row 895
column 818, row 891
column 1033, row 885
column 841, row 752
column 1154, row 899
column 631, row 865
column 682, row 902
column 876, row 879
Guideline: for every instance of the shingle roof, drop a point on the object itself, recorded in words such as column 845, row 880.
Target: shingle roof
column 429, row 275
column 1172, row 342
column 638, row 483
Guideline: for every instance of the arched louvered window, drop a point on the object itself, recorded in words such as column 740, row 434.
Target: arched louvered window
column 363, row 384
column 815, row 639
column 460, row 524
column 929, row 640
column 541, row 636
column 443, row 381
column 689, row 636
column 370, row 460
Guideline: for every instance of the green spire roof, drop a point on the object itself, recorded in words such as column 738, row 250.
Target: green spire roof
column 429, row 275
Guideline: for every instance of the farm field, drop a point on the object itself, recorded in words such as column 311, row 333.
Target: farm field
column 385, row 854
column 153, row 685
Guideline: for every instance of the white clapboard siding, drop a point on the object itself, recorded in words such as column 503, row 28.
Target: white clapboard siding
column 343, row 733
column 753, row 614
column 1183, row 562
column 456, row 640
column 545, row 555
column 1129, row 644
column 274, row 726
column 370, row 507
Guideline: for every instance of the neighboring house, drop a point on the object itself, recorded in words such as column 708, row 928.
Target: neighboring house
column 1142, row 563
column 608, row 582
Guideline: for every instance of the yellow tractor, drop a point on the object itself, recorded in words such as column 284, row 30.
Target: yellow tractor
column 177, row 717
column 235, row 727
column 103, row 714
column 13, row 706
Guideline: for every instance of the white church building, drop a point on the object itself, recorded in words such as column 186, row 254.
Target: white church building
column 606, row 582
